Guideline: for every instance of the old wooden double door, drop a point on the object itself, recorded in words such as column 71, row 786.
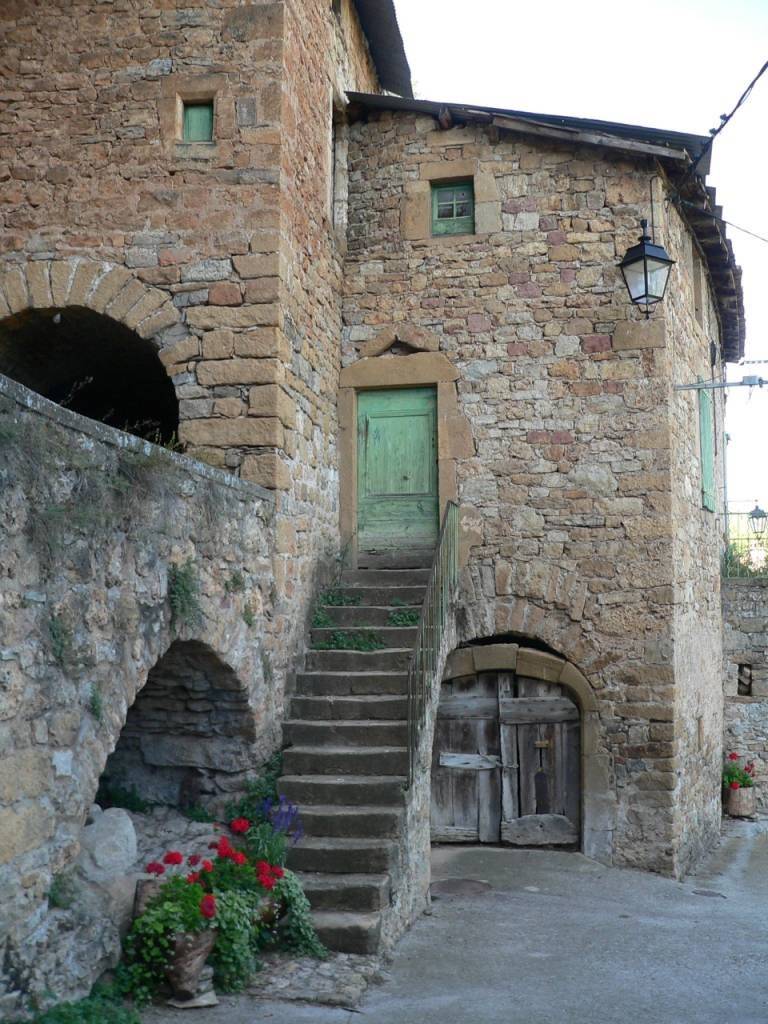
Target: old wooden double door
column 506, row 762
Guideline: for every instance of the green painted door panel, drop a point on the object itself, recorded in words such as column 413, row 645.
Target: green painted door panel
column 397, row 492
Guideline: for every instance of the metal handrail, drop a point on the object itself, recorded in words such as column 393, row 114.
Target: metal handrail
column 438, row 602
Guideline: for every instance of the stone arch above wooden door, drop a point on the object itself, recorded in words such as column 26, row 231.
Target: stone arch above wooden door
column 597, row 787
column 454, row 434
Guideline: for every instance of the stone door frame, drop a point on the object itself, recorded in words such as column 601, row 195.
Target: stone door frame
column 419, row 369
column 598, row 803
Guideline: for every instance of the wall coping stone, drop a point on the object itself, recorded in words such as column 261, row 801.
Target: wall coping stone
column 127, row 442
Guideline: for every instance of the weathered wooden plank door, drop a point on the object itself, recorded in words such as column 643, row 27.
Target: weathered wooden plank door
column 466, row 768
column 397, row 483
column 506, row 762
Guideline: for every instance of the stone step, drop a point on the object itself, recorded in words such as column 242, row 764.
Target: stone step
column 345, row 733
column 327, row 684
column 367, row 597
column 343, row 790
column 395, row 660
column 359, row 893
column 389, row 637
column 345, row 761
column 348, row 933
column 368, row 615
column 343, row 855
column 376, row 706
column 385, row 577
column 362, row 822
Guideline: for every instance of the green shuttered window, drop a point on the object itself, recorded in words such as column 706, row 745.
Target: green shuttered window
column 707, row 444
column 198, row 122
column 453, row 209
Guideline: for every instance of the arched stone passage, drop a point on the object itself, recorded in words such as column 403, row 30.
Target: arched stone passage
column 188, row 737
column 87, row 335
column 93, row 365
column 598, row 803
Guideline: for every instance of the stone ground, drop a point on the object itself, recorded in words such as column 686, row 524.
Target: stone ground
column 556, row 939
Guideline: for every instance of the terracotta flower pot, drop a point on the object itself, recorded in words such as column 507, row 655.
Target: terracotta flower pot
column 190, row 951
column 741, row 802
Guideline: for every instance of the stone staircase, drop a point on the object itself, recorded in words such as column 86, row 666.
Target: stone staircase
column 347, row 758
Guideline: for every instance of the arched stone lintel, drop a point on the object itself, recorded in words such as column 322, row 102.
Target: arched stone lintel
column 99, row 286
column 415, row 337
column 525, row 661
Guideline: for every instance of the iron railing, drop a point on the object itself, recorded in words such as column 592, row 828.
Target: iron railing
column 438, row 604
column 746, row 554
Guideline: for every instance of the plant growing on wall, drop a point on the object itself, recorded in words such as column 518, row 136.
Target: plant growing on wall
column 738, row 773
column 183, row 594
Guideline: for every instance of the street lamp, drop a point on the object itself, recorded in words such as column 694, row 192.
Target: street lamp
column 757, row 520
column 645, row 269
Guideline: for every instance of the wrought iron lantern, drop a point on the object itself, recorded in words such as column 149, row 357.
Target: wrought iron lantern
column 645, row 269
column 758, row 520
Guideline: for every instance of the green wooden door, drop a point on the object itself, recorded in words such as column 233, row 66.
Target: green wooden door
column 397, row 494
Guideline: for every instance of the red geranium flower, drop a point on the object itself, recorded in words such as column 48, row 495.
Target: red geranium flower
column 266, row 881
column 208, row 906
column 735, row 785
column 733, row 757
column 240, row 825
column 207, row 865
column 239, row 857
column 277, row 871
column 173, row 857
column 223, row 848
column 154, row 868
column 262, row 866
column 194, row 860
column 193, row 877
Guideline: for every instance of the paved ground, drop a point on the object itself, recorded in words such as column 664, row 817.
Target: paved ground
column 558, row 939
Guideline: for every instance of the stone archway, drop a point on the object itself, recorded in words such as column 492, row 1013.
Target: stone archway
column 87, row 335
column 597, row 799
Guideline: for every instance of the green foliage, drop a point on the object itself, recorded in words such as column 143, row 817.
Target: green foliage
column 112, row 795
column 63, row 891
column 248, row 617
column 737, row 563
column 738, row 772
column 60, row 636
column 197, row 813
column 262, row 842
column 338, row 599
column 234, row 955
column 149, row 944
column 351, row 640
column 103, row 1006
column 182, row 593
column 236, row 583
column 296, row 930
column 262, row 789
column 321, row 619
column 407, row 617
column 95, row 703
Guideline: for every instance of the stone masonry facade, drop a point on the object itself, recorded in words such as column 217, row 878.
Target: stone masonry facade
column 275, row 271
column 582, row 489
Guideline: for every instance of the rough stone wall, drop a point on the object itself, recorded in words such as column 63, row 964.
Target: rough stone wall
column 568, row 393
column 92, row 522
column 745, row 642
column 697, row 544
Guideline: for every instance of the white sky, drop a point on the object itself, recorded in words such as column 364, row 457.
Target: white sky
column 675, row 64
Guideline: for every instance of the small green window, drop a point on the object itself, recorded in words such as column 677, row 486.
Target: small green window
column 198, row 122
column 707, row 442
column 453, row 209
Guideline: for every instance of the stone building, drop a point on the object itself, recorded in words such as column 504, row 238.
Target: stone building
column 231, row 228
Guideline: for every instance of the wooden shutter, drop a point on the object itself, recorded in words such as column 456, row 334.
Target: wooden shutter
column 707, row 446
column 198, row 122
